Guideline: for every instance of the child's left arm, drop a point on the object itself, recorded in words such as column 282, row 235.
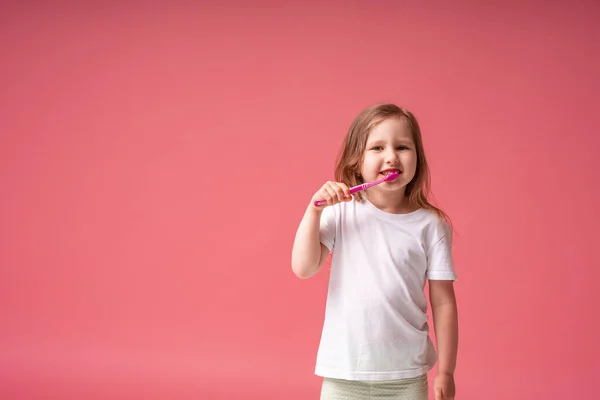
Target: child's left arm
column 445, row 319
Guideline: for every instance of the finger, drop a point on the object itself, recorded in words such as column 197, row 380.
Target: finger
column 332, row 188
column 340, row 193
column 323, row 194
column 346, row 190
column 331, row 195
column 337, row 192
column 438, row 394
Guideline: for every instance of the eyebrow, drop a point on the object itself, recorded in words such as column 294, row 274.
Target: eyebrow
column 401, row 141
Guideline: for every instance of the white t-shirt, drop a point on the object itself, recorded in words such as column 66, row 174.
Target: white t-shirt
column 375, row 324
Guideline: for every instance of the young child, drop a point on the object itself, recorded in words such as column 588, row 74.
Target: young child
column 385, row 243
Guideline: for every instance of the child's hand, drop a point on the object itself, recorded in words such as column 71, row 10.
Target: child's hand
column 333, row 193
column 443, row 387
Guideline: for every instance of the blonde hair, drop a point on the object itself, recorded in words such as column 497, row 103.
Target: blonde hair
column 353, row 147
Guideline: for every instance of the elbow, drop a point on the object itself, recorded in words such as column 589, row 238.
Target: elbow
column 302, row 272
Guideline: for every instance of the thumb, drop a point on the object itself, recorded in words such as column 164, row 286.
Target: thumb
column 438, row 394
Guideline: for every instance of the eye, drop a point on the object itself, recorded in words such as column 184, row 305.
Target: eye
column 402, row 148
column 377, row 148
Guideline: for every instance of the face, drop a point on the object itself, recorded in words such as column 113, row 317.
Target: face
column 390, row 146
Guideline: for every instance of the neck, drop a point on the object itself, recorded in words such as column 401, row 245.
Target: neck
column 393, row 203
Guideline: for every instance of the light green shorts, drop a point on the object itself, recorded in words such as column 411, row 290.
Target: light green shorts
column 402, row 389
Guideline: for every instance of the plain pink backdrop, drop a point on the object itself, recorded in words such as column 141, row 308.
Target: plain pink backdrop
column 155, row 161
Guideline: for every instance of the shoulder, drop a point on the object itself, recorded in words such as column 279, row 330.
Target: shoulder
column 434, row 221
column 435, row 228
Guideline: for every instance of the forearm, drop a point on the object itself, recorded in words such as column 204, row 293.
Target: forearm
column 445, row 317
column 306, row 252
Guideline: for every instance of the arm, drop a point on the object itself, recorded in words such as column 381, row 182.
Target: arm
column 308, row 253
column 445, row 319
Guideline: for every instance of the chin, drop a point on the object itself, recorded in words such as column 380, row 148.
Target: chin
column 396, row 185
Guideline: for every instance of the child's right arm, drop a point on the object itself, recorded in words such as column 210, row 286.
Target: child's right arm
column 308, row 253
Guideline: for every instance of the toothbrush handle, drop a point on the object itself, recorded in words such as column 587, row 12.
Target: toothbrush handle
column 352, row 191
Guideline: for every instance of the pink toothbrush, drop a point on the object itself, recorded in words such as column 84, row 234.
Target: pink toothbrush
column 389, row 177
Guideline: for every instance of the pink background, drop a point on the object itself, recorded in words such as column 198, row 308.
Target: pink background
column 152, row 174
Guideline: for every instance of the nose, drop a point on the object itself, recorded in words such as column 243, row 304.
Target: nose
column 391, row 157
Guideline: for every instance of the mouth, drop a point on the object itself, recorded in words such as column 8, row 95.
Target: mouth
column 386, row 172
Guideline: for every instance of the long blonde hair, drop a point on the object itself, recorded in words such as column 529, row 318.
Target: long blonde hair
column 353, row 147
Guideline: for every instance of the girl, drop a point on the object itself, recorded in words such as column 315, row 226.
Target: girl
column 385, row 243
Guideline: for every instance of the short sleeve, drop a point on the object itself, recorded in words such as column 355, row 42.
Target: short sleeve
column 440, row 264
column 327, row 227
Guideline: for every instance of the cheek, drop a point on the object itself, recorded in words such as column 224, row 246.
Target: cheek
column 410, row 162
column 368, row 162
column 408, row 157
